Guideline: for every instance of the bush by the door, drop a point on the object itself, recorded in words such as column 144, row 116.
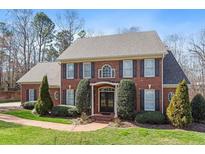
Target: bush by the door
column 126, row 99
column 150, row 117
column 44, row 103
column 179, row 109
column 83, row 102
column 64, row 111
column 198, row 108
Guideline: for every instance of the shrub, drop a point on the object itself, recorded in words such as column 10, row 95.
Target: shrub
column 44, row 103
column 150, row 117
column 83, row 96
column 64, row 111
column 198, row 107
column 126, row 99
column 29, row 105
column 179, row 109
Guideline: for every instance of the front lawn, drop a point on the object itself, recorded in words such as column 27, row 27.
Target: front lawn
column 16, row 134
column 26, row 114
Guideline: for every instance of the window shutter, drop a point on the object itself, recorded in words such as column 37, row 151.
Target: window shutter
column 75, row 71
column 92, row 70
column 81, row 70
column 27, row 95
column 35, row 94
column 142, row 100
column 134, row 68
column 64, row 97
column 156, row 67
column 120, row 68
column 157, row 100
column 64, row 71
column 142, row 68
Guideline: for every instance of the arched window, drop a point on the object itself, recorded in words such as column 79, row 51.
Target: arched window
column 106, row 72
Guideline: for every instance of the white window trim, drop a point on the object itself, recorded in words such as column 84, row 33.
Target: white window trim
column 67, row 102
column 146, row 90
column 145, row 68
column 131, row 76
column 72, row 77
column 86, row 77
column 100, row 72
column 29, row 97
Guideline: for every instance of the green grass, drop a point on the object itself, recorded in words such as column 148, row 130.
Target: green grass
column 16, row 134
column 9, row 101
column 26, row 114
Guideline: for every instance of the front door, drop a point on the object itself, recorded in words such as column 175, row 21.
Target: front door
column 106, row 101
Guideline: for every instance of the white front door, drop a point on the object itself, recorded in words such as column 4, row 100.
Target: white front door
column 31, row 95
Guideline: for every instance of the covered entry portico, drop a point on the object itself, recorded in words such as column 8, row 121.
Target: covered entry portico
column 104, row 98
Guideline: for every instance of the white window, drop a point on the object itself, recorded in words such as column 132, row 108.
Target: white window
column 31, row 95
column 127, row 68
column 149, row 67
column 149, row 100
column 170, row 95
column 86, row 70
column 70, row 97
column 106, row 72
column 70, row 71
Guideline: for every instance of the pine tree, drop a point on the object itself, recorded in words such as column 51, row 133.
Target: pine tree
column 44, row 103
column 179, row 109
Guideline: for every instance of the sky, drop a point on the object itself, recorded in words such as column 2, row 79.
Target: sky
column 165, row 22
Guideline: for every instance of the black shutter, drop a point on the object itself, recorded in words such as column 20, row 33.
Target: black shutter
column 134, row 68
column 120, row 69
column 92, row 70
column 81, row 70
column 142, row 100
column 157, row 95
column 64, row 97
column 156, row 67
column 75, row 71
column 35, row 94
column 27, row 95
column 142, row 68
column 64, row 71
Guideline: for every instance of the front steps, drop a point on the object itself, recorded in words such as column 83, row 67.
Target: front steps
column 102, row 118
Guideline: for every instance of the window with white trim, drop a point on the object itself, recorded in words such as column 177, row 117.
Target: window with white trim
column 149, row 67
column 170, row 95
column 127, row 68
column 70, row 97
column 86, row 70
column 70, row 71
column 31, row 95
column 106, row 72
column 149, row 100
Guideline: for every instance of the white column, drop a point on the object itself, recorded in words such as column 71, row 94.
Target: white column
column 92, row 97
column 115, row 103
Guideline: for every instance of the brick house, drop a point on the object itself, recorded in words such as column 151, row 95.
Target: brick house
column 105, row 60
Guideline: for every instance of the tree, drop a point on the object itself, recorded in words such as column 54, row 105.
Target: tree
column 44, row 103
column 83, row 96
column 198, row 108
column 126, row 99
column 179, row 109
column 62, row 40
column 44, row 29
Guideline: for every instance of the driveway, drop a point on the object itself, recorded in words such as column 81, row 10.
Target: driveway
column 7, row 106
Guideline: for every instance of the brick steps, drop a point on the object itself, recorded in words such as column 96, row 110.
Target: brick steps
column 102, row 118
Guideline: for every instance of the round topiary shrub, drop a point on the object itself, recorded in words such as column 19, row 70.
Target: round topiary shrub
column 198, row 107
column 126, row 99
column 83, row 103
column 150, row 117
column 44, row 103
column 179, row 109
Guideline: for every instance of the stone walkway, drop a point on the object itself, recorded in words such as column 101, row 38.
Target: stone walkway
column 50, row 125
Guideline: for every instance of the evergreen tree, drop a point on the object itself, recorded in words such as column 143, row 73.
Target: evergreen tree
column 179, row 109
column 44, row 103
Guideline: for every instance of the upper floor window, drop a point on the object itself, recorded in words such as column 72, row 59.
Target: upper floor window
column 70, row 71
column 149, row 100
column 149, row 67
column 106, row 72
column 86, row 70
column 127, row 68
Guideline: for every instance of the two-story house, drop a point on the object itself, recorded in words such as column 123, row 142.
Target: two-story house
column 105, row 60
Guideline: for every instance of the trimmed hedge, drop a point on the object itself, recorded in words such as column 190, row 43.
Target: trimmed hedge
column 29, row 105
column 150, row 117
column 126, row 99
column 64, row 111
column 198, row 107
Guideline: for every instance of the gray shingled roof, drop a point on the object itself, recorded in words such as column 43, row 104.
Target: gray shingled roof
column 51, row 69
column 129, row 44
column 172, row 71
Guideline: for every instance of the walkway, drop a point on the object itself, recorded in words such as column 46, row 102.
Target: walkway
column 51, row 125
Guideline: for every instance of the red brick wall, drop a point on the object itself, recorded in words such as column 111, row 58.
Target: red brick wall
column 10, row 95
column 140, row 82
column 25, row 87
column 166, row 91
